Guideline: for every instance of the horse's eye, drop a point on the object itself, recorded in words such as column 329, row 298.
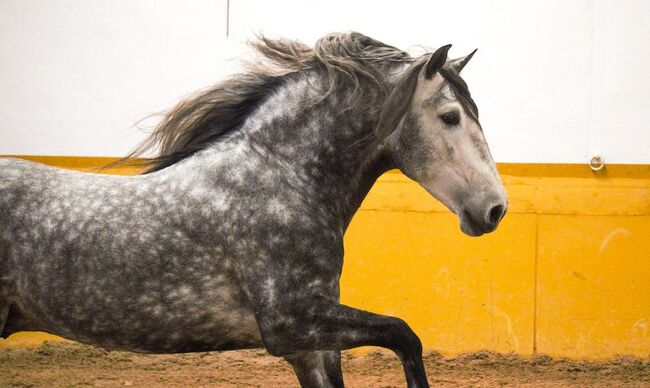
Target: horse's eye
column 451, row 118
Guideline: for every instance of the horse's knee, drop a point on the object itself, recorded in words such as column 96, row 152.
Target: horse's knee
column 404, row 338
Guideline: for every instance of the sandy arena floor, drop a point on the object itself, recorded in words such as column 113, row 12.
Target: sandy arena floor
column 72, row 364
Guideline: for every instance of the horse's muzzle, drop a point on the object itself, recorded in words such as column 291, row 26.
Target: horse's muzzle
column 476, row 222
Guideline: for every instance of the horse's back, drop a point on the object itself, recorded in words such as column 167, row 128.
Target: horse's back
column 36, row 201
column 21, row 180
column 15, row 185
column 26, row 190
column 12, row 174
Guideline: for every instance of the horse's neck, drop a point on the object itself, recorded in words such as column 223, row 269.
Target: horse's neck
column 331, row 147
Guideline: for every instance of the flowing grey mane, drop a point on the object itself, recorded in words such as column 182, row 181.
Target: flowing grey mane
column 346, row 59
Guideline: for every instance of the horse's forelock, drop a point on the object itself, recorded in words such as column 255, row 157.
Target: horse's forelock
column 399, row 99
column 461, row 91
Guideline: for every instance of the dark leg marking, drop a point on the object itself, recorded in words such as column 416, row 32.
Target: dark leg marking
column 317, row 369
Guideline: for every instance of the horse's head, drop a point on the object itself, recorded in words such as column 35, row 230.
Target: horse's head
column 430, row 126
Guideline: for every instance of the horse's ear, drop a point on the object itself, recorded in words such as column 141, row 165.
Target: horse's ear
column 397, row 102
column 437, row 61
column 459, row 63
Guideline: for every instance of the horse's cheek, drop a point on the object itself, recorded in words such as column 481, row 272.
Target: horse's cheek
column 414, row 149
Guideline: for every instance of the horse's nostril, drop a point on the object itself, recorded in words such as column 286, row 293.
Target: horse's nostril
column 495, row 214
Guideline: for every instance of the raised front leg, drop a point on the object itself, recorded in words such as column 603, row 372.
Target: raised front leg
column 295, row 295
column 319, row 324
column 317, row 369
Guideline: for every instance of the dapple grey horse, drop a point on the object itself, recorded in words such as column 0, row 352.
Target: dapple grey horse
column 233, row 237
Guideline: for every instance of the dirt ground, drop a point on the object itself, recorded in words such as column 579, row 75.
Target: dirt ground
column 71, row 364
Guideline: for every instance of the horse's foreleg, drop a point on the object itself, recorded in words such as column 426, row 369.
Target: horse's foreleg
column 317, row 368
column 325, row 325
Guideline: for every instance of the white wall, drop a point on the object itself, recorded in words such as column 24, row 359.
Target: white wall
column 555, row 80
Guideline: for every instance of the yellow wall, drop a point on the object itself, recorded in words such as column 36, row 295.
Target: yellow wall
column 566, row 274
